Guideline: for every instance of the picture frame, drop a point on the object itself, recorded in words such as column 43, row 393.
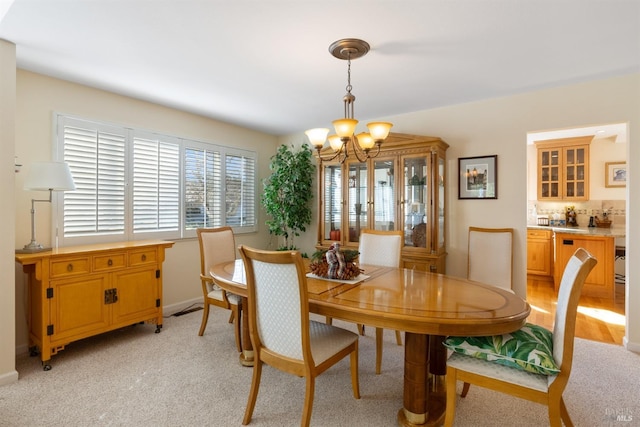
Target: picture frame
column 478, row 177
column 615, row 174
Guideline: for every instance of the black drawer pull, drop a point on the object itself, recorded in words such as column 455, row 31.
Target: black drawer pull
column 144, row 257
column 567, row 241
column 110, row 262
column 70, row 267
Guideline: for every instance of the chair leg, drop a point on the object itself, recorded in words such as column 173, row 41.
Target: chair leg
column 465, row 389
column 450, row 411
column 360, row 328
column 236, row 312
column 253, row 393
column 232, row 316
column 308, row 402
column 398, row 338
column 355, row 381
column 379, row 332
column 556, row 408
column 205, row 318
column 564, row 414
column 329, row 320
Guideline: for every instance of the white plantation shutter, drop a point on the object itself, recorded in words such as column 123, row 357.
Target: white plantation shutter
column 96, row 158
column 133, row 184
column 156, row 184
column 209, row 202
column 240, row 190
column 203, row 189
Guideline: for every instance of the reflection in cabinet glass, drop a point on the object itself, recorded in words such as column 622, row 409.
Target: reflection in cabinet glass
column 401, row 189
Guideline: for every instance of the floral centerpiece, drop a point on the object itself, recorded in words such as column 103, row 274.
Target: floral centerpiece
column 335, row 263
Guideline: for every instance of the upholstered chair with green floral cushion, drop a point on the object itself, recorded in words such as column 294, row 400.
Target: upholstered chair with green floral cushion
column 531, row 363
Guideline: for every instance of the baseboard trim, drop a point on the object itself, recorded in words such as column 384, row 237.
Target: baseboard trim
column 631, row 346
column 9, row 378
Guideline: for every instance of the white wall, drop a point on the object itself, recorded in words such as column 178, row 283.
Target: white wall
column 40, row 96
column 7, row 208
column 500, row 126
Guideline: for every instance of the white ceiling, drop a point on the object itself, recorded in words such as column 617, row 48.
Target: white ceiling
column 265, row 64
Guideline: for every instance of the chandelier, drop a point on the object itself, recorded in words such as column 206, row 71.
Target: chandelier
column 345, row 139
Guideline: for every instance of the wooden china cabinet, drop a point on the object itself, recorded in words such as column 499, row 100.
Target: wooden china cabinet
column 403, row 188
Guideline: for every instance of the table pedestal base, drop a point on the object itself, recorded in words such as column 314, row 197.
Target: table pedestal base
column 424, row 386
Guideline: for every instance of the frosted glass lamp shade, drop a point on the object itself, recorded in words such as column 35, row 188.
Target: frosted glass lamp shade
column 379, row 130
column 335, row 142
column 365, row 141
column 345, row 127
column 317, row 136
column 44, row 176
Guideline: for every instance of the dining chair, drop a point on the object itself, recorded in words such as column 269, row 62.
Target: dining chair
column 217, row 245
column 382, row 248
column 281, row 332
column 490, row 260
column 490, row 256
column 531, row 363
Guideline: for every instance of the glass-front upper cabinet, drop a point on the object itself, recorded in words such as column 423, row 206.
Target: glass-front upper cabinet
column 563, row 169
column 402, row 188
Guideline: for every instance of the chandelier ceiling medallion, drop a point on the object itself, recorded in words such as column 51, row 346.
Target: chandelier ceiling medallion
column 361, row 144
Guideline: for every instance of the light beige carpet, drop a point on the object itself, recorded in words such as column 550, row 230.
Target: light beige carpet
column 134, row 377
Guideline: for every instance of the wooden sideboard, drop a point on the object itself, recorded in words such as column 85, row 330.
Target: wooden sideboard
column 80, row 291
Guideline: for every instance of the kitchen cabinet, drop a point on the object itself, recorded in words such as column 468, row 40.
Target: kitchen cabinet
column 80, row 291
column 600, row 282
column 563, row 169
column 540, row 252
column 403, row 188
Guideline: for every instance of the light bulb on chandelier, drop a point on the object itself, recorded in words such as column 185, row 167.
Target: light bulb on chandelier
column 345, row 139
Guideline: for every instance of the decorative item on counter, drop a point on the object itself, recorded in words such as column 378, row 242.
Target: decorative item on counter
column 572, row 218
column 543, row 219
column 603, row 223
column 335, row 263
column 592, row 221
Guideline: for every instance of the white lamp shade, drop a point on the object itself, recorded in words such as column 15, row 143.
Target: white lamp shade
column 335, row 142
column 317, row 136
column 379, row 130
column 44, row 176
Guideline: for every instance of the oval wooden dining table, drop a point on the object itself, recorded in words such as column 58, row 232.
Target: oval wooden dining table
column 426, row 306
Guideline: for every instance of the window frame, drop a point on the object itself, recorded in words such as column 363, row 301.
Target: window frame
column 61, row 120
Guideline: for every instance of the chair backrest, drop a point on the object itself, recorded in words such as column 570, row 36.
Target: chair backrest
column 575, row 273
column 278, row 302
column 381, row 248
column 217, row 245
column 490, row 256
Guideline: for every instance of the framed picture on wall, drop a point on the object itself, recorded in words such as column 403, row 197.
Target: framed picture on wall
column 478, row 177
column 615, row 174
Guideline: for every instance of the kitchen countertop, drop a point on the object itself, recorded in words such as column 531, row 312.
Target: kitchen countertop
column 592, row 231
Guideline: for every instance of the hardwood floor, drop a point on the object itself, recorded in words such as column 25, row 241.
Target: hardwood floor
column 598, row 319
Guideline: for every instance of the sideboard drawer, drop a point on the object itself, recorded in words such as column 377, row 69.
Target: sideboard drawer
column 143, row 257
column 70, row 267
column 109, row 262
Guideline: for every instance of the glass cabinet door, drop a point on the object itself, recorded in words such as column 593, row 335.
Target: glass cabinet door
column 357, row 201
column 440, row 204
column 549, row 171
column 384, row 195
column 575, row 163
column 414, row 201
column 332, row 202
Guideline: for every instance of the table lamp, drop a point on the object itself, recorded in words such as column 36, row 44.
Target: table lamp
column 45, row 176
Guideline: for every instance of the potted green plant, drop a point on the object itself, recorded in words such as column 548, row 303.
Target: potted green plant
column 288, row 193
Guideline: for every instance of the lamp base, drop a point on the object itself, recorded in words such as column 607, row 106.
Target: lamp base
column 32, row 248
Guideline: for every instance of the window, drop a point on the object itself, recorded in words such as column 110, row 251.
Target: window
column 132, row 184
